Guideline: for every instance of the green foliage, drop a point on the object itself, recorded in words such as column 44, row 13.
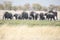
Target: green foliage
column 26, row 6
column 36, row 6
column 7, row 5
column 30, row 22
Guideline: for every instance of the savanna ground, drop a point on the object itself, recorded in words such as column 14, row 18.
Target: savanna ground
column 29, row 30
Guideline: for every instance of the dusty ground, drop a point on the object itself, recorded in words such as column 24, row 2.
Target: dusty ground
column 29, row 33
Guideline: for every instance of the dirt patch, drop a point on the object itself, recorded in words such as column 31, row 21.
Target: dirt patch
column 23, row 32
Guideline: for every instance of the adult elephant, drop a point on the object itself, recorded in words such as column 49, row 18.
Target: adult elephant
column 24, row 15
column 16, row 16
column 50, row 16
column 20, row 17
column 7, row 15
column 30, row 18
column 55, row 14
column 32, row 14
column 42, row 16
column 36, row 16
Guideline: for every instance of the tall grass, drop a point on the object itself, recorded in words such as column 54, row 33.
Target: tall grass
column 30, row 22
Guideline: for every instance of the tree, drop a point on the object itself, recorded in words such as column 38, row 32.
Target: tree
column 26, row 6
column 7, row 5
column 1, row 7
column 14, row 8
column 36, row 6
column 57, row 8
column 54, row 7
column 19, row 8
column 44, row 8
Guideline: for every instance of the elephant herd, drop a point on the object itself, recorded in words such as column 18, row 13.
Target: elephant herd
column 50, row 15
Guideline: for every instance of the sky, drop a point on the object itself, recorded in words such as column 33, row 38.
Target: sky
column 41, row 2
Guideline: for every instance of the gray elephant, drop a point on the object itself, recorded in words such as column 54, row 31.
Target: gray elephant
column 7, row 15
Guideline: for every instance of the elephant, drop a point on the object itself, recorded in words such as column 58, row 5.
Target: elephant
column 7, row 15
column 50, row 16
column 20, row 17
column 36, row 16
column 32, row 14
column 42, row 16
column 16, row 16
column 24, row 15
column 30, row 18
column 55, row 14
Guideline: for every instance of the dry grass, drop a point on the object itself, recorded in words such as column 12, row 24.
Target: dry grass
column 23, row 32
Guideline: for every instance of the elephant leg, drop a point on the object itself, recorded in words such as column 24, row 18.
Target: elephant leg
column 53, row 18
column 56, row 18
column 50, row 19
column 33, row 18
column 16, row 18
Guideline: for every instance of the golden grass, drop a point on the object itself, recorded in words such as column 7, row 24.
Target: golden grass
column 23, row 32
